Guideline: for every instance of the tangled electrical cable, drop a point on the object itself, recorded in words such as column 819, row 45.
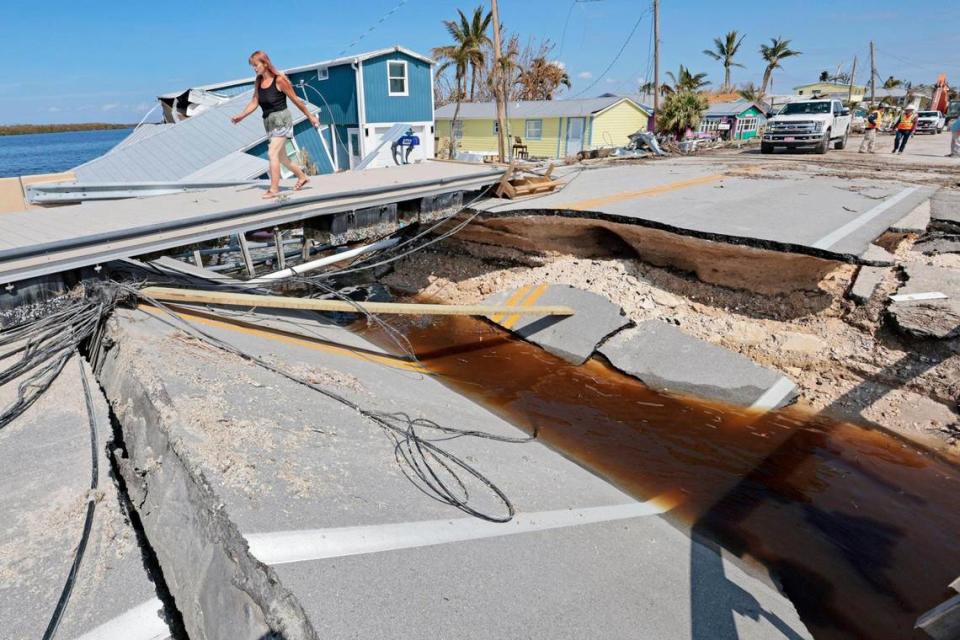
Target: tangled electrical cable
column 45, row 345
column 433, row 470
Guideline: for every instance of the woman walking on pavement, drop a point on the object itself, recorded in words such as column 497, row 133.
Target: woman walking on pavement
column 270, row 93
column 904, row 126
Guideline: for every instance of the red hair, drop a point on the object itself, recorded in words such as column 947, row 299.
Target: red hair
column 260, row 56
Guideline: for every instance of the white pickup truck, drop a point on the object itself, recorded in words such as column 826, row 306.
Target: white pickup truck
column 811, row 123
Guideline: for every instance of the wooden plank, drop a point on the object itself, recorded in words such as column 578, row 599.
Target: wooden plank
column 169, row 294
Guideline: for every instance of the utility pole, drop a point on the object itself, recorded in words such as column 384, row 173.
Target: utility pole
column 853, row 75
column 498, row 86
column 656, row 60
column 873, row 75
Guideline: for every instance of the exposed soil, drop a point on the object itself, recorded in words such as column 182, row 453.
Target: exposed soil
column 843, row 358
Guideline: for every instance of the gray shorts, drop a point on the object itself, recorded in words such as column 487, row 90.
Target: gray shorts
column 279, row 124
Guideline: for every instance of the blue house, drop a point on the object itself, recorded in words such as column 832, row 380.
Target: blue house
column 359, row 98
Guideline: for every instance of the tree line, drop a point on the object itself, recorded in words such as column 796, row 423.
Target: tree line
column 20, row 129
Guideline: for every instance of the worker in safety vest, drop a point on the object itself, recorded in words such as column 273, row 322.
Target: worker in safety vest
column 905, row 126
column 870, row 131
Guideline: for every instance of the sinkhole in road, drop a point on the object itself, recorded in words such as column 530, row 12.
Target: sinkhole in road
column 859, row 527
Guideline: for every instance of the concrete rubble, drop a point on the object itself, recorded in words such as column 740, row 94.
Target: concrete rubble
column 574, row 338
column 939, row 319
column 667, row 359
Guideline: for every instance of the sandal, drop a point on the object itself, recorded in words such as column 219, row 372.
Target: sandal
column 269, row 195
column 301, row 183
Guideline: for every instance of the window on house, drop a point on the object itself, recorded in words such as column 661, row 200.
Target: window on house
column 533, row 129
column 458, row 129
column 397, row 77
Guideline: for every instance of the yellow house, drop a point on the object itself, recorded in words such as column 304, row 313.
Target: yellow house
column 548, row 128
column 831, row 90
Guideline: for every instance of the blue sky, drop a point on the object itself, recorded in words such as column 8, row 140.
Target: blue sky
column 69, row 61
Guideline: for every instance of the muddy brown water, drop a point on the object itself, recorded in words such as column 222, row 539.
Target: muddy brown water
column 860, row 528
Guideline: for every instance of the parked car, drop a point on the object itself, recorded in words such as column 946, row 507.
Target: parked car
column 930, row 122
column 858, row 121
column 814, row 123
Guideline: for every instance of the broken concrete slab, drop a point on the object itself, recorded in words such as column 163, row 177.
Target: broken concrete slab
column 829, row 217
column 877, row 256
column 938, row 242
column 938, row 319
column 866, row 283
column 665, row 358
column 45, row 469
column 945, row 211
column 316, row 492
column 573, row 338
column 916, row 221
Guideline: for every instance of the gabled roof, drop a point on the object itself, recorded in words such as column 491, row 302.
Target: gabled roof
column 360, row 57
column 734, row 108
column 534, row 108
column 175, row 151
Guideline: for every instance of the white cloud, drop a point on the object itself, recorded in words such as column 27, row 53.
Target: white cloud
column 110, row 106
column 559, row 63
column 612, row 81
column 584, row 75
column 54, row 109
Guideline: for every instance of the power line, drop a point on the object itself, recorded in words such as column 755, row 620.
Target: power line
column 376, row 24
column 616, row 57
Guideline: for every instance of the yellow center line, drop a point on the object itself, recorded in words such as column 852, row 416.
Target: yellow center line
column 278, row 335
column 512, row 300
column 512, row 320
column 593, row 203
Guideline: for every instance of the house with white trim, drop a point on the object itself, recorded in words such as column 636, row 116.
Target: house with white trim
column 360, row 100
column 545, row 128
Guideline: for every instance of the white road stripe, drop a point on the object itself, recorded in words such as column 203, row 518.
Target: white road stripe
column 772, row 396
column 280, row 547
column 835, row 236
column 140, row 623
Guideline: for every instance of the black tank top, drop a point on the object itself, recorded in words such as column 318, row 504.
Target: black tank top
column 270, row 99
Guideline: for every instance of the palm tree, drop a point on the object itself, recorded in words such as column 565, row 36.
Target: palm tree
column 724, row 50
column 751, row 93
column 892, row 83
column 457, row 56
column 541, row 79
column 477, row 32
column 470, row 37
column 647, row 88
column 686, row 81
column 777, row 50
column 681, row 111
column 824, row 76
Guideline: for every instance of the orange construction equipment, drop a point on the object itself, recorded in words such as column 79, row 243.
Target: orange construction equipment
column 941, row 95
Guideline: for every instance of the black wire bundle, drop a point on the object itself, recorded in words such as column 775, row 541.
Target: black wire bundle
column 44, row 346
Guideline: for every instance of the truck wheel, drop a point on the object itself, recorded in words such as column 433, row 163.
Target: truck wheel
column 824, row 144
column 766, row 147
column 842, row 142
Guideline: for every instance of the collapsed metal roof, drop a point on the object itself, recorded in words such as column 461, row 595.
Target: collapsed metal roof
column 174, row 152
